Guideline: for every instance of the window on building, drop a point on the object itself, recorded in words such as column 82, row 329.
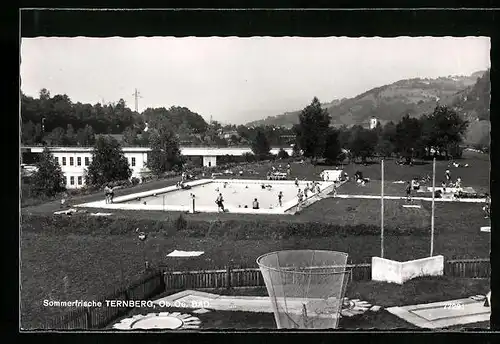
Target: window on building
column 79, row 180
column 79, row 161
column 133, row 161
column 71, row 161
column 72, row 180
column 87, row 161
column 57, row 159
column 64, row 160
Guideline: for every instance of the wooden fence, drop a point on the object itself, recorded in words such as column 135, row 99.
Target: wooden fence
column 468, row 268
column 239, row 278
column 252, row 277
column 99, row 317
column 161, row 281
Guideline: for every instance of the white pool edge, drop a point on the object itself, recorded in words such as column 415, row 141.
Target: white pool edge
column 288, row 208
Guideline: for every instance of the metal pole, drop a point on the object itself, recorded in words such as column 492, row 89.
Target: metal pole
column 432, row 206
column 163, row 203
column 382, row 213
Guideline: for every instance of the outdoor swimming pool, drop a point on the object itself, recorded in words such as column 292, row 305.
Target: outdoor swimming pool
column 238, row 195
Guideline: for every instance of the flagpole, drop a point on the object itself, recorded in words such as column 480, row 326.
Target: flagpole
column 382, row 212
column 432, row 210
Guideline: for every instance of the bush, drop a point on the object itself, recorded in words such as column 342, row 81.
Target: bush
column 180, row 223
column 134, row 181
column 233, row 229
column 249, row 157
column 283, row 154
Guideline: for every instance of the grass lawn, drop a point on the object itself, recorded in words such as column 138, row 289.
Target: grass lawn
column 421, row 290
column 95, row 265
column 87, row 267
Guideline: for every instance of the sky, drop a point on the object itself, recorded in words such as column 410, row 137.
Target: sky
column 237, row 80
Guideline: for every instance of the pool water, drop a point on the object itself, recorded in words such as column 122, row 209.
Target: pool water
column 236, row 194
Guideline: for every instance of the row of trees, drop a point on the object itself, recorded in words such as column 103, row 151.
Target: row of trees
column 440, row 132
column 59, row 112
column 58, row 121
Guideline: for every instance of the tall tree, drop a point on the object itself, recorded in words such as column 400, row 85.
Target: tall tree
column 312, row 129
column 56, row 137
column 363, row 143
column 85, row 136
column 130, row 136
column 296, row 150
column 108, row 163
column 386, row 140
column 48, row 180
column 28, row 133
column 408, row 136
column 260, row 145
column 165, row 154
column 70, row 138
column 332, row 148
column 445, row 129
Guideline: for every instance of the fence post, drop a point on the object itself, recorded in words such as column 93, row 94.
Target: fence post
column 88, row 315
column 228, row 277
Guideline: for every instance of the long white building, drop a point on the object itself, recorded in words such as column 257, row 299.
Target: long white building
column 74, row 160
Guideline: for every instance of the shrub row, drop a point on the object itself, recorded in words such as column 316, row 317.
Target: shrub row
column 182, row 227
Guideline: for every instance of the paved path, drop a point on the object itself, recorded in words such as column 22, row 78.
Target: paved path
column 444, row 314
column 262, row 304
column 428, row 199
column 431, row 315
column 321, row 308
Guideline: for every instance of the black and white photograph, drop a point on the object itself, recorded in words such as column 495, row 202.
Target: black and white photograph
column 265, row 182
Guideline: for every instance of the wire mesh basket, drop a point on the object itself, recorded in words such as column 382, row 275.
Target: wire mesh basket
column 306, row 287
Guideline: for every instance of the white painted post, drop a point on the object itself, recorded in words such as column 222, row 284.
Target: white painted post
column 432, row 206
column 382, row 212
column 163, row 203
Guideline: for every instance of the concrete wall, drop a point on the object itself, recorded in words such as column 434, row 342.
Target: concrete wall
column 386, row 270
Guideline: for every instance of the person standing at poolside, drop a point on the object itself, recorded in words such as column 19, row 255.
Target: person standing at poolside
column 107, row 192
column 408, row 191
column 300, row 196
column 63, row 199
column 111, row 194
column 220, row 203
column 255, row 204
column 486, row 207
column 280, row 198
column 448, row 176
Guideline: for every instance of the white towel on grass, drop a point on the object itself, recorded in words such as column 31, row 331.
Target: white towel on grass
column 176, row 253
